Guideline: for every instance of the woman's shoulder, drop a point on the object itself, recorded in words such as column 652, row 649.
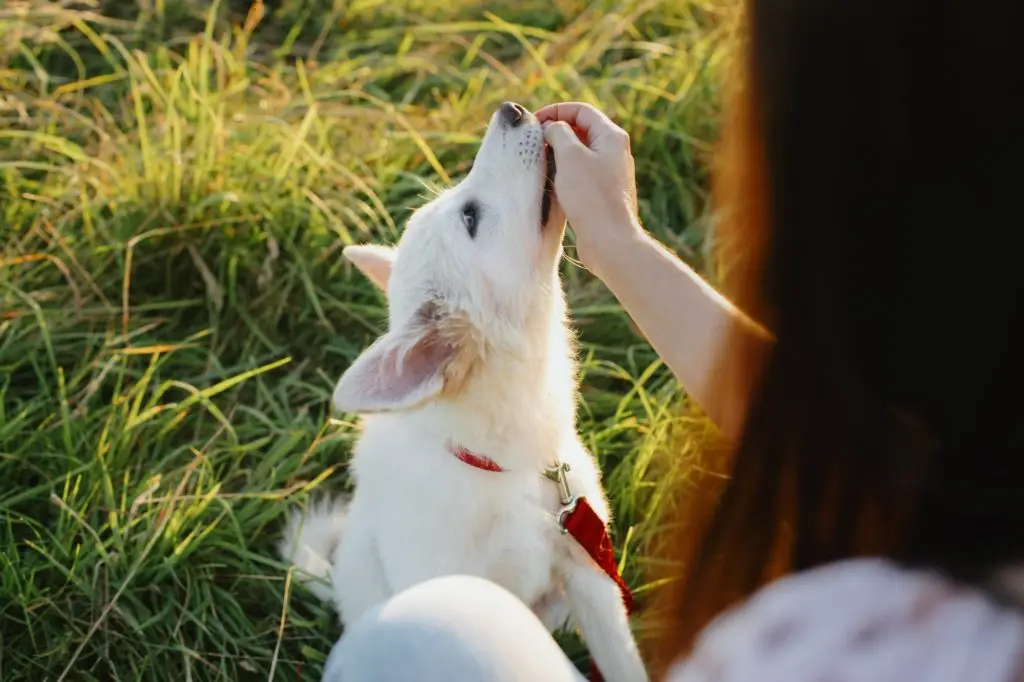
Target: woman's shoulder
column 860, row 620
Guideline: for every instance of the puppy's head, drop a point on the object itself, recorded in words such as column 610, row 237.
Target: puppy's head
column 476, row 271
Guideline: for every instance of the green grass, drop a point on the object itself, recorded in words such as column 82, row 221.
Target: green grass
column 176, row 185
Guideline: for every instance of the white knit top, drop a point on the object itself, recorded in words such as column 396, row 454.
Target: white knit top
column 860, row 620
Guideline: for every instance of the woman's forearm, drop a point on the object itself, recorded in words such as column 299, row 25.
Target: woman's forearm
column 683, row 318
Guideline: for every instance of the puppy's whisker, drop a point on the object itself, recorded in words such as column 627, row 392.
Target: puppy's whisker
column 433, row 190
column 566, row 257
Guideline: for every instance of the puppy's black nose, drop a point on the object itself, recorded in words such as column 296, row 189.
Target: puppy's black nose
column 512, row 114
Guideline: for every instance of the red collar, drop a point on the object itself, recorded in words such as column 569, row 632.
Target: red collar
column 474, row 460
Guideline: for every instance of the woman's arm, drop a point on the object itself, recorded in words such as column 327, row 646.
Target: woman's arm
column 685, row 320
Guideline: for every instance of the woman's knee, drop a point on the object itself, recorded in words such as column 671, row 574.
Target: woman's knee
column 447, row 630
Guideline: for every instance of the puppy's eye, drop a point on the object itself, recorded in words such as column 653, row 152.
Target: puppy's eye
column 470, row 214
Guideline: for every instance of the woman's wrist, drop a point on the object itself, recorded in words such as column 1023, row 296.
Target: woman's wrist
column 611, row 254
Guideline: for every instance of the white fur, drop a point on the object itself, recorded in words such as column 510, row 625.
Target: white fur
column 478, row 354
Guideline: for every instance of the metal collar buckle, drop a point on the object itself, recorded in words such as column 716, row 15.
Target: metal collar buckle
column 568, row 501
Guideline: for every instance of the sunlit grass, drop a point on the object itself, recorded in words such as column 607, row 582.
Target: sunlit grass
column 177, row 180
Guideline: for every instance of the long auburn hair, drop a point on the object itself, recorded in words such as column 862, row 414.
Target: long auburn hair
column 862, row 142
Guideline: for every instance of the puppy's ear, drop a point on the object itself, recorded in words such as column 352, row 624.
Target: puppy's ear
column 374, row 261
column 407, row 366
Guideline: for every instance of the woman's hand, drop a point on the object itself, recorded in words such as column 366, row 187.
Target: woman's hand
column 594, row 182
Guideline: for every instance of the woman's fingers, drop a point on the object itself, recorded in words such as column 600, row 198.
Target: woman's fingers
column 564, row 139
column 591, row 125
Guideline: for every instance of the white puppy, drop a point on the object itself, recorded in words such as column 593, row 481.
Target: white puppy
column 469, row 399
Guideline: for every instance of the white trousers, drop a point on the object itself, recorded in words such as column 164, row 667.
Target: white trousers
column 451, row 629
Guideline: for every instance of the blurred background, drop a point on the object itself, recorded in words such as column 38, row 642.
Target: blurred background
column 177, row 181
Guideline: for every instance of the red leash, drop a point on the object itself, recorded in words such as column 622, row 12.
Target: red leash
column 587, row 528
column 578, row 519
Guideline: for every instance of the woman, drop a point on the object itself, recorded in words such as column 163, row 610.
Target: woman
column 878, row 426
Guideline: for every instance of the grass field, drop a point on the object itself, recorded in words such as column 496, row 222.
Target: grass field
column 177, row 180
